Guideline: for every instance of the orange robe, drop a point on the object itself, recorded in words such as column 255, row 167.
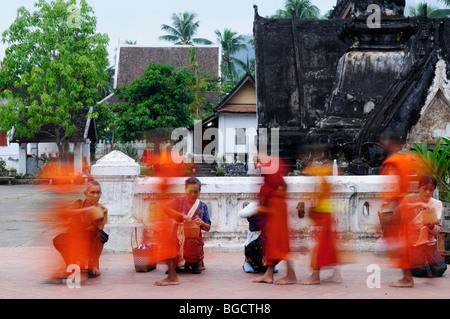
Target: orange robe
column 276, row 229
column 273, row 206
column 76, row 239
column 163, row 224
column 325, row 252
column 80, row 244
column 405, row 167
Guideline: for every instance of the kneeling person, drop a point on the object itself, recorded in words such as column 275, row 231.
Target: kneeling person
column 190, row 240
column 83, row 241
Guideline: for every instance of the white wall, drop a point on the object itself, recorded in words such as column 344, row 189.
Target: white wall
column 10, row 153
column 129, row 197
column 228, row 122
column 225, row 196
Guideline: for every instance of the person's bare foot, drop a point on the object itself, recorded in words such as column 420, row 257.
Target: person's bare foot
column 402, row 283
column 166, row 282
column 288, row 280
column 264, row 279
column 94, row 272
column 336, row 278
column 311, row 280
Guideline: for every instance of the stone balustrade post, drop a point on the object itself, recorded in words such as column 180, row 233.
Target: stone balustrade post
column 116, row 173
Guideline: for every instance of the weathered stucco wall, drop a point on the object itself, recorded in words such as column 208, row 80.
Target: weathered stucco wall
column 296, row 67
column 225, row 196
column 129, row 197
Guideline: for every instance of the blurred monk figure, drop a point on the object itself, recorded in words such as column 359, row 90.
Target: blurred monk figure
column 325, row 253
column 164, row 219
column 403, row 168
column 83, row 241
column 77, row 226
column 273, row 207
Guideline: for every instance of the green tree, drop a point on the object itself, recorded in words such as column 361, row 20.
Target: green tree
column 56, row 62
column 252, row 61
column 231, row 43
column 432, row 12
column 159, row 99
column 201, row 84
column 438, row 161
column 130, row 42
column 304, row 9
column 183, row 30
column 327, row 14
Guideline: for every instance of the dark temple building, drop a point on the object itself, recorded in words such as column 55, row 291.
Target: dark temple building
column 345, row 80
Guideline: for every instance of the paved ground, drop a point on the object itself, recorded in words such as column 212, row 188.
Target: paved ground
column 22, row 275
column 25, row 259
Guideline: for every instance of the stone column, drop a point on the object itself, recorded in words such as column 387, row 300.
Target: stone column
column 77, row 158
column 116, row 173
column 23, row 158
column 86, row 151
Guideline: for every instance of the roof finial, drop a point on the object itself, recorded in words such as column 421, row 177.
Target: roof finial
column 255, row 7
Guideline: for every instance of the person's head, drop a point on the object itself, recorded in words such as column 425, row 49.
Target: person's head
column 192, row 187
column 92, row 192
column 427, row 185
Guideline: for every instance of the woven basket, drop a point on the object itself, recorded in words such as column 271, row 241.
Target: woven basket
column 191, row 229
column 144, row 259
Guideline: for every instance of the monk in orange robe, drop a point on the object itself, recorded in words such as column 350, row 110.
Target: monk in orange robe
column 404, row 168
column 325, row 253
column 276, row 232
column 164, row 219
column 78, row 225
column 83, row 242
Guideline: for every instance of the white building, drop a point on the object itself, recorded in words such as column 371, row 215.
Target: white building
column 230, row 134
column 27, row 154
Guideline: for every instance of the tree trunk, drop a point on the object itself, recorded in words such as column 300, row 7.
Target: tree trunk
column 63, row 151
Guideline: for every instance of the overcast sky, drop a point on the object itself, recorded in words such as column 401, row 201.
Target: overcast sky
column 141, row 20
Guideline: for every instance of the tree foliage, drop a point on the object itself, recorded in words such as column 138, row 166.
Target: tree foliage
column 432, row 12
column 160, row 98
column 231, row 43
column 56, row 63
column 201, row 84
column 304, row 9
column 438, row 161
column 183, row 30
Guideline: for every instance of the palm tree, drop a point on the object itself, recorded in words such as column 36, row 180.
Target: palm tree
column 183, row 30
column 444, row 12
column 304, row 9
column 231, row 43
column 130, row 42
column 432, row 12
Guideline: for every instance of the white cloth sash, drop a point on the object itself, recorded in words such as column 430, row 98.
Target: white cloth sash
column 180, row 232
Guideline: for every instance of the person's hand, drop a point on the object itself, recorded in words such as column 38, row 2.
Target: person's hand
column 422, row 205
column 203, row 226
column 199, row 222
column 430, row 226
